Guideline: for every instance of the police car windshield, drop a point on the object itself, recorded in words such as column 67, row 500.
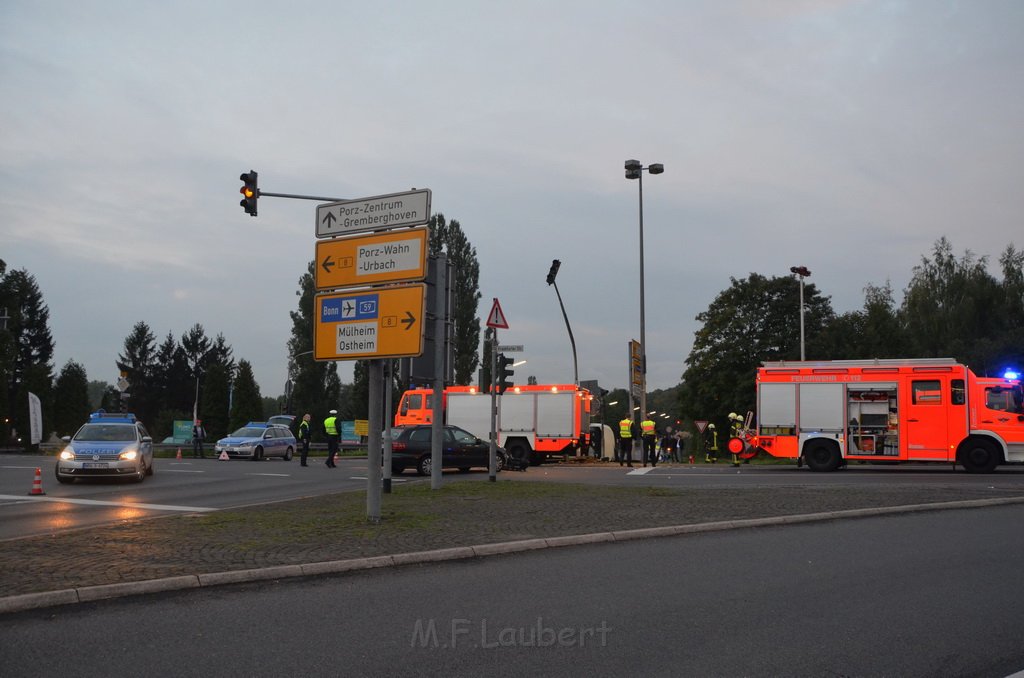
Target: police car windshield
column 249, row 432
column 107, row 433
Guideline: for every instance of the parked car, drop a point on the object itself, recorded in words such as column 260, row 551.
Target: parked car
column 258, row 440
column 410, row 448
column 285, row 420
column 109, row 444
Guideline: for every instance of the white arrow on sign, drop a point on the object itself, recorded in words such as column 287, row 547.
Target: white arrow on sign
column 395, row 210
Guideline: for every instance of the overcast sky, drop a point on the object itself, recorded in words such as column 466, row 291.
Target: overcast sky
column 846, row 137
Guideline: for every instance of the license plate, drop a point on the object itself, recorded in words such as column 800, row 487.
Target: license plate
column 94, row 464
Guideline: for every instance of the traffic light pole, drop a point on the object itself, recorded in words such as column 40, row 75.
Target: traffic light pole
column 260, row 193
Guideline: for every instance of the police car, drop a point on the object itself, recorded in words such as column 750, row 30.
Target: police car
column 108, row 445
column 258, row 440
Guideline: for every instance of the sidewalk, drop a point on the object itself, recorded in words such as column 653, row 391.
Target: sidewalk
column 415, row 519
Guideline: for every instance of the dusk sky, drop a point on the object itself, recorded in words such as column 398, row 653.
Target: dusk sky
column 843, row 136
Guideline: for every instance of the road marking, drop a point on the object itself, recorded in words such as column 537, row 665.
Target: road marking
column 394, row 480
column 125, row 504
column 179, row 470
column 640, row 471
column 275, row 475
column 25, row 467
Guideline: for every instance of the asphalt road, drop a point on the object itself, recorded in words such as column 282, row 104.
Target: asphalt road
column 923, row 594
column 193, row 485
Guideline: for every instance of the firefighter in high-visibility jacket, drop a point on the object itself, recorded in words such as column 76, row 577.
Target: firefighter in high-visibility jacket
column 735, row 428
column 650, row 438
column 710, row 444
column 625, row 450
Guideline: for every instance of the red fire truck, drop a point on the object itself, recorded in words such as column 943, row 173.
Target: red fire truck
column 826, row 413
column 534, row 422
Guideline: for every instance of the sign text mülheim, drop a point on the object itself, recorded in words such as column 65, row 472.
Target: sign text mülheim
column 395, row 210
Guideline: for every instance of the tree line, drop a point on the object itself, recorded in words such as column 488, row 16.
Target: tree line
column 176, row 377
column 953, row 307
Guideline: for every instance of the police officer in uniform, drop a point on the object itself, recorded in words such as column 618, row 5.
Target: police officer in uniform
column 304, row 435
column 625, row 449
column 331, row 429
column 650, row 438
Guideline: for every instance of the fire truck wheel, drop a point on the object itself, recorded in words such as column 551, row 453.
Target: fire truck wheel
column 979, row 456
column 822, row 457
column 518, row 450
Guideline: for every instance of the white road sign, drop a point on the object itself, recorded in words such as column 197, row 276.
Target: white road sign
column 394, row 210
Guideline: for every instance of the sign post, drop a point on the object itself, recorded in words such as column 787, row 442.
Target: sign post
column 495, row 320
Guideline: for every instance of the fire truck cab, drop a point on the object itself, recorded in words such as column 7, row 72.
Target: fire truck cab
column 826, row 413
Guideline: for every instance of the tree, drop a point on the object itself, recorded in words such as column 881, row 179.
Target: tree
column 754, row 320
column 315, row 385
column 138, row 362
column 213, row 404
column 173, row 378
column 246, row 402
column 449, row 237
column 356, row 401
column 951, row 308
column 26, row 350
column 71, row 405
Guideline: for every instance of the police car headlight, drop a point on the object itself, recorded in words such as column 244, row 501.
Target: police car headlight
column 67, row 454
column 129, row 455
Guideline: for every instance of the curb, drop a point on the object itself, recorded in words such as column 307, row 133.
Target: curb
column 31, row 601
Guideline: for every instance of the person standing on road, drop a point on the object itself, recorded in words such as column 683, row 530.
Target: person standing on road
column 331, row 428
column 650, row 440
column 625, row 450
column 304, row 438
column 710, row 444
column 198, row 436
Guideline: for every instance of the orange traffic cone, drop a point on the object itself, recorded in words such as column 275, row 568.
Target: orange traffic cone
column 37, row 484
column 179, row 454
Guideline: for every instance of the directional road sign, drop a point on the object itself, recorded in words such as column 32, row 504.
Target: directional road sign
column 394, row 210
column 385, row 322
column 510, row 348
column 393, row 256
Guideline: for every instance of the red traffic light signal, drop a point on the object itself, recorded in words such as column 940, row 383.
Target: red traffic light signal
column 250, row 192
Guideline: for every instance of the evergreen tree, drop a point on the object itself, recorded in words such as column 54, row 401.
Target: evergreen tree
column 315, row 385
column 213, row 401
column 26, row 351
column 71, row 405
column 246, row 401
column 138, row 361
column 449, row 237
column 172, row 378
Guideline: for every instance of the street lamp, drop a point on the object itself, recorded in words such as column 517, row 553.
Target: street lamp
column 551, row 281
column 634, row 170
column 802, row 272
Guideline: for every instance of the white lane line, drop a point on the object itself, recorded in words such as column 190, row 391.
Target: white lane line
column 394, row 480
column 179, row 470
column 640, row 471
column 24, row 467
column 274, row 475
column 123, row 504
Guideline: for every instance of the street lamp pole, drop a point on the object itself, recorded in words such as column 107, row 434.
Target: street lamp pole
column 802, row 272
column 551, row 281
column 634, row 170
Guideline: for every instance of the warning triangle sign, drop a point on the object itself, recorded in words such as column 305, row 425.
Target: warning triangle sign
column 496, row 318
column 701, row 425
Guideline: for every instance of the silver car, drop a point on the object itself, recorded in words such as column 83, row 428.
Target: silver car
column 112, row 445
column 258, row 440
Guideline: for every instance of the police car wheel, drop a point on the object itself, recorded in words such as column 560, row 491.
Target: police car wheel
column 140, row 475
column 257, row 454
column 288, row 454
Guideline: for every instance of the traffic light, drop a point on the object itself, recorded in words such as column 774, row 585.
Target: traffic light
column 554, row 271
column 250, row 191
column 504, row 381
